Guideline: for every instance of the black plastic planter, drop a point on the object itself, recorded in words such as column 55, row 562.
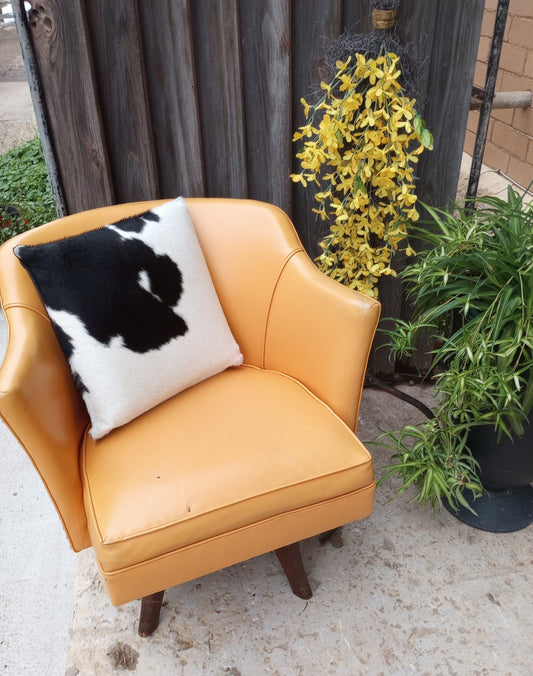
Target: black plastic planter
column 506, row 474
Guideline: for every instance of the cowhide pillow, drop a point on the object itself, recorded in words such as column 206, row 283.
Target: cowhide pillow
column 134, row 310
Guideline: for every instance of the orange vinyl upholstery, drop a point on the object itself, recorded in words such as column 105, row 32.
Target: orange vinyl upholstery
column 248, row 461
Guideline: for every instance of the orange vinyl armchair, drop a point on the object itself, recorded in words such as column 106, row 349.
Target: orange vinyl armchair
column 251, row 460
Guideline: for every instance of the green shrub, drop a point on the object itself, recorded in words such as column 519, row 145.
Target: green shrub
column 25, row 194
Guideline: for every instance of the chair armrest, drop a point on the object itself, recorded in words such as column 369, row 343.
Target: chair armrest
column 320, row 332
column 41, row 406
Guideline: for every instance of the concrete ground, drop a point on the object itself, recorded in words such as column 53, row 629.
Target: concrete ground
column 17, row 119
column 406, row 591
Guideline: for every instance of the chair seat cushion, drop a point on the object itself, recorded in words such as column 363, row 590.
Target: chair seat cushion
column 241, row 447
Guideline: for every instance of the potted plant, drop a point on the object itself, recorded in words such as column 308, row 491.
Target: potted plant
column 472, row 292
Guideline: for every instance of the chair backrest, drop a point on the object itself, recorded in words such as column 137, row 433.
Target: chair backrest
column 246, row 244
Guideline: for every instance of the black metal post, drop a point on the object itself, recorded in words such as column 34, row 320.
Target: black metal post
column 486, row 106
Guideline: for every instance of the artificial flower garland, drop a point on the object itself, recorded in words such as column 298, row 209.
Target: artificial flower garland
column 361, row 141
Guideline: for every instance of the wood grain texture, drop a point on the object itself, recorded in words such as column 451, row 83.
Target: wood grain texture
column 194, row 97
column 218, row 62
column 171, row 85
column 313, row 22
column 444, row 36
column 266, row 69
column 63, row 53
column 450, row 80
column 451, row 74
column 119, row 66
column 415, row 27
column 357, row 16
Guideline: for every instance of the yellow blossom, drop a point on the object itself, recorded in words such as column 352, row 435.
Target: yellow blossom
column 361, row 153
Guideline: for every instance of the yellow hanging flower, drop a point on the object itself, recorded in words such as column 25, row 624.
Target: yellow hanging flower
column 367, row 138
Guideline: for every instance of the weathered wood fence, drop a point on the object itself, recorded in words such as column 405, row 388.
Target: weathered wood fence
column 149, row 99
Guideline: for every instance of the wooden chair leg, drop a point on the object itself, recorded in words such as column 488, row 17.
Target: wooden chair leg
column 150, row 609
column 291, row 562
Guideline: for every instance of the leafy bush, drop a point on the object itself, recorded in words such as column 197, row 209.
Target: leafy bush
column 25, row 194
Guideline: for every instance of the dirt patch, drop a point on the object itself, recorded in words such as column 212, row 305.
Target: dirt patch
column 123, row 657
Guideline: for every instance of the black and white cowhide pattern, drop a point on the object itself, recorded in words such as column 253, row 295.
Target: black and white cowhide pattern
column 82, row 276
column 129, row 304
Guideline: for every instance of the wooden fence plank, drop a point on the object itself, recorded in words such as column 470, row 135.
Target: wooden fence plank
column 415, row 27
column 217, row 93
column 313, row 21
column 265, row 32
column 449, row 87
column 117, row 45
column 356, row 16
column 60, row 41
column 216, row 35
column 444, row 36
column 169, row 58
column 451, row 73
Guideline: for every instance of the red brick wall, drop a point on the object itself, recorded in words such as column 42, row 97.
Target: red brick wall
column 510, row 135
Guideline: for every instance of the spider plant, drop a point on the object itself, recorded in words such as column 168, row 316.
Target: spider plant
column 472, row 290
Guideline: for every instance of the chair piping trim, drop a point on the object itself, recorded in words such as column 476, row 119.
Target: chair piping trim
column 26, row 306
column 222, row 536
column 267, row 320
